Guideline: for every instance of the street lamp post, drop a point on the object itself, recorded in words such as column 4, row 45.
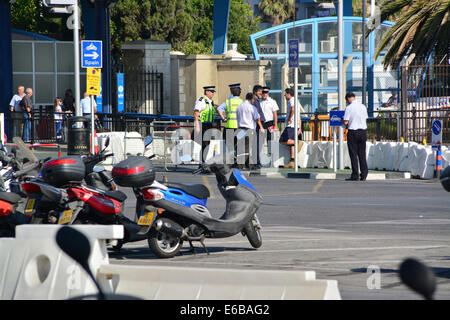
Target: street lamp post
column 341, row 77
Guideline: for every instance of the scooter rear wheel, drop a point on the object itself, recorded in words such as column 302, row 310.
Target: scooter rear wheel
column 253, row 233
column 162, row 244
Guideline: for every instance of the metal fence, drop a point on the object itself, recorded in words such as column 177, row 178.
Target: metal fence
column 425, row 96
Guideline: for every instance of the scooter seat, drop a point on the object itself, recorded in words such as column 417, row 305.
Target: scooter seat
column 10, row 197
column 117, row 195
column 197, row 190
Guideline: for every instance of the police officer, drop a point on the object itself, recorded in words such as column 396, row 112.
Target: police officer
column 229, row 109
column 204, row 112
column 355, row 118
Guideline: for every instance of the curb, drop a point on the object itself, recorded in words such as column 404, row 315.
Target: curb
column 330, row 176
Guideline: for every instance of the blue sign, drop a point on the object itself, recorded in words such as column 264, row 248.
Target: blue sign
column 91, row 54
column 437, row 126
column 120, row 93
column 99, row 100
column 293, row 53
column 336, row 117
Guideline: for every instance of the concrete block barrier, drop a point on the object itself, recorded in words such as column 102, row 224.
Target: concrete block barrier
column 33, row 267
column 175, row 283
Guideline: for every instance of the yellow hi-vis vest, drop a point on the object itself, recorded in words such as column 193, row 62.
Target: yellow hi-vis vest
column 207, row 114
column 231, row 109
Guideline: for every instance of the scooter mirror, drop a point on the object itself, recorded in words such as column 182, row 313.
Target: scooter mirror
column 418, row 277
column 107, row 142
column 77, row 246
column 148, row 140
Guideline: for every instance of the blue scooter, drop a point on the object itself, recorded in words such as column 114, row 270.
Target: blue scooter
column 175, row 212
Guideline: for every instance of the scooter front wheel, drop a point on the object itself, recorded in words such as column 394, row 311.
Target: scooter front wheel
column 162, row 244
column 253, row 232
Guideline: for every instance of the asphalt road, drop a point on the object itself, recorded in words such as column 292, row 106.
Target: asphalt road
column 342, row 230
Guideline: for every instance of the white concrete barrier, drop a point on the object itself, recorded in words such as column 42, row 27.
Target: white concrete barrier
column 175, row 283
column 33, row 267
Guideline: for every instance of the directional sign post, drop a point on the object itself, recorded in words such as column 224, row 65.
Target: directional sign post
column 336, row 117
column 91, row 54
column 91, row 58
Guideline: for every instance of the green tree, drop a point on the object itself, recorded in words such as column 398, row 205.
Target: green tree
column 241, row 25
column 165, row 20
column 422, row 28
column 277, row 12
column 33, row 16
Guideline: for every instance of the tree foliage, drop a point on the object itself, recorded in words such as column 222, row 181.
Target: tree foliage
column 421, row 29
column 33, row 16
column 277, row 11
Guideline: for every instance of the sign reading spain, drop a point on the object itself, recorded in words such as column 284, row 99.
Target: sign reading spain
column 93, row 81
column 91, row 54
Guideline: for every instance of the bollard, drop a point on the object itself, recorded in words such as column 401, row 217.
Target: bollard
column 438, row 162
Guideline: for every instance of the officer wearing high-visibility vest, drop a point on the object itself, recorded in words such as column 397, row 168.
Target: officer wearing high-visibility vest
column 204, row 113
column 229, row 106
column 228, row 109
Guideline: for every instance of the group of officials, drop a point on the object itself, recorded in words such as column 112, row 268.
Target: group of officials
column 255, row 117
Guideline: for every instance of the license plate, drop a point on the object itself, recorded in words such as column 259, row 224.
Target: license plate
column 30, row 206
column 147, row 218
column 65, row 216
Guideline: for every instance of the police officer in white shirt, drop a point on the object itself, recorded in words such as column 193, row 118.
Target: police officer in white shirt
column 270, row 108
column 355, row 118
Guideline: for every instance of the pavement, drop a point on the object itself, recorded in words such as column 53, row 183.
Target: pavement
column 354, row 232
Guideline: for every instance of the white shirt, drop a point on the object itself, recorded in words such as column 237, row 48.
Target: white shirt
column 200, row 103
column 356, row 115
column 247, row 114
column 58, row 113
column 15, row 102
column 290, row 105
column 86, row 105
column 269, row 106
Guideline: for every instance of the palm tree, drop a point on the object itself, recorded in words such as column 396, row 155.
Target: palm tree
column 421, row 29
column 277, row 12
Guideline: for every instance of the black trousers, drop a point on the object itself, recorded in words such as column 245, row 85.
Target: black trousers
column 356, row 143
column 205, row 143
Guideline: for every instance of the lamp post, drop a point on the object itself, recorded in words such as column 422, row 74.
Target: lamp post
column 341, row 92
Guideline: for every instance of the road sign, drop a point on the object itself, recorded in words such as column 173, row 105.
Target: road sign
column 436, row 133
column 93, row 81
column 336, row 117
column 91, row 54
column 293, row 53
column 120, row 93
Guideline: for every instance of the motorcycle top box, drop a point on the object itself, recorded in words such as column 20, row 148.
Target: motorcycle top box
column 134, row 172
column 62, row 171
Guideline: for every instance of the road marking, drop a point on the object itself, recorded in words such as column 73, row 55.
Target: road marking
column 314, row 190
column 348, row 249
column 206, row 183
column 317, row 186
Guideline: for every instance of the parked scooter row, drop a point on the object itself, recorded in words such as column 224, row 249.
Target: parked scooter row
column 72, row 190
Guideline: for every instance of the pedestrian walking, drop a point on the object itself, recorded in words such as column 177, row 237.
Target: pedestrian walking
column 58, row 117
column 204, row 116
column 16, row 112
column 26, row 106
column 288, row 136
column 355, row 118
